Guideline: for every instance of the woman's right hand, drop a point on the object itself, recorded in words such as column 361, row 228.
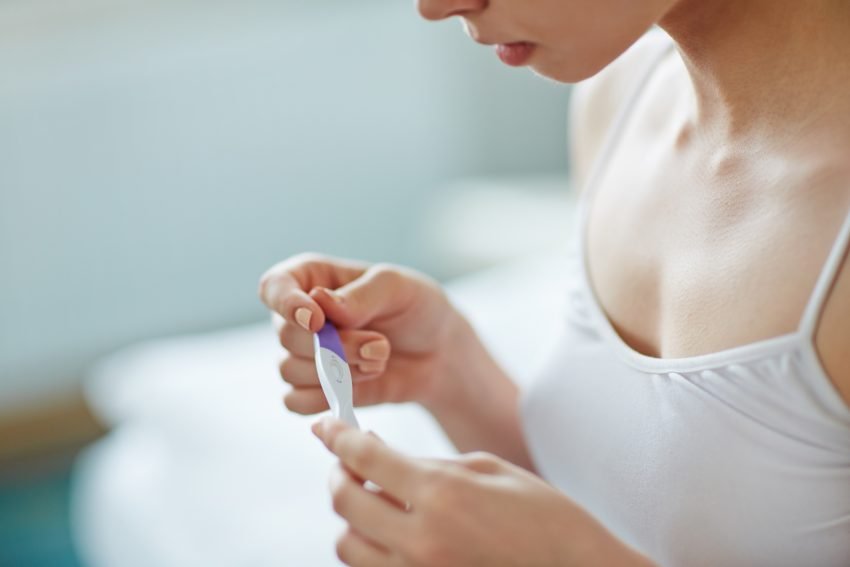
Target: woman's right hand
column 397, row 328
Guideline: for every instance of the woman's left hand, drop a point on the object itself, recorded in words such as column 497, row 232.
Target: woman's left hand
column 475, row 510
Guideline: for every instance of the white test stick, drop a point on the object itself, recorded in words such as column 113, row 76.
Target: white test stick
column 334, row 373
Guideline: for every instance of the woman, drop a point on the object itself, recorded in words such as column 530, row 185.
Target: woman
column 696, row 409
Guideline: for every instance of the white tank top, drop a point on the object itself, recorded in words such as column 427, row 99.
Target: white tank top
column 737, row 458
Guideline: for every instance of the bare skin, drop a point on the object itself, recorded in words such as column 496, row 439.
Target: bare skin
column 717, row 210
column 743, row 195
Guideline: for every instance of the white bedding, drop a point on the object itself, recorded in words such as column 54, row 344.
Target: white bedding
column 204, row 466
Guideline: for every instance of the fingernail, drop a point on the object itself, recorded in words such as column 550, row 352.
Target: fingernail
column 303, row 316
column 375, row 350
column 370, row 367
column 316, row 428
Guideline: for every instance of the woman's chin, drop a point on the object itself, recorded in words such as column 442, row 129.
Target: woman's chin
column 565, row 76
column 561, row 71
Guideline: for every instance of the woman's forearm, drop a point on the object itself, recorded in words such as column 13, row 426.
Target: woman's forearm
column 477, row 404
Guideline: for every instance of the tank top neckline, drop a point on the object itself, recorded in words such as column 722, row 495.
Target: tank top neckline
column 801, row 338
column 733, row 355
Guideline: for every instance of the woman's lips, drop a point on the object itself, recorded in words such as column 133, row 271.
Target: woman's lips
column 515, row 54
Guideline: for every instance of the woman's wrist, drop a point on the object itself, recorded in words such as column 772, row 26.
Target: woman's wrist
column 474, row 400
column 463, row 367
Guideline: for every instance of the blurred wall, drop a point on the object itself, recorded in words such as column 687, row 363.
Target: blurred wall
column 156, row 156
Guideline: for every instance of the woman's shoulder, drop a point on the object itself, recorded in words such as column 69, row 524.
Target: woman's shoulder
column 596, row 102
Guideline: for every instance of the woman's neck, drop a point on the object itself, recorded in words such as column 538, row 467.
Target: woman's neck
column 766, row 66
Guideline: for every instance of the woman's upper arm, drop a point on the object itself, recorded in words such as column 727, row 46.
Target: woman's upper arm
column 596, row 101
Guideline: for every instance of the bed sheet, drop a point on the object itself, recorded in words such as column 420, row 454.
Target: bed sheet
column 204, row 466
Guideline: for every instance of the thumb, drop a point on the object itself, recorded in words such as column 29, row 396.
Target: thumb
column 380, row 292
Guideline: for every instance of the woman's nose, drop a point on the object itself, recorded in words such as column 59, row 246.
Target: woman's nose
column 442, row 9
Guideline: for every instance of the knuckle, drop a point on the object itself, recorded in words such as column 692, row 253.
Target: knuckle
column 294, row 404
column 427, row 550
column 438, row 489
column 286, row 369
column 340, row 499
column 481, row 462
column 341, row 490
column 343, row 548
column 364, row 457
column 287, row 335
column 288, row 304
column 265, row 279
column 270, row 291
column 290, row 403
column 284, row 269
column 307, row 259
column 278, row 322
column 282, row 335
column 386, row 273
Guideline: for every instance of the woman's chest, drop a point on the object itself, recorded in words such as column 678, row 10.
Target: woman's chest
column 699, row 466
column 687, row 258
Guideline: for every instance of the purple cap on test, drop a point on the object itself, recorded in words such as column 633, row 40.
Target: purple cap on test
column 329, row 339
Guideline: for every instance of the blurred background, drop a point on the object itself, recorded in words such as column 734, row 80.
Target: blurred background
column 157, row 156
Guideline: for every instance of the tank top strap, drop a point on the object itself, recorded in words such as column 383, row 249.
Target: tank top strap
column 612, row 137
column 826, row 280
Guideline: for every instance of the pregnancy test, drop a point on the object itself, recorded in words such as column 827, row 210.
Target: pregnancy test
column 334, row 373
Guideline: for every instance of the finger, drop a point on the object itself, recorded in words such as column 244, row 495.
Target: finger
column 373, row 488
column 283, row 287
column 355, row 550
column 310, row 400
column 360, row 345
column 282, row 294
column 301, row 372
column 365, row 346
column 369, row 458
column 367, row 512
column 381, row 291
column 477, row 462
column 295, row 339
column 306, row 401
column 368, row 390
column 368, row 370
column 277, row 321
column 392, row 385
